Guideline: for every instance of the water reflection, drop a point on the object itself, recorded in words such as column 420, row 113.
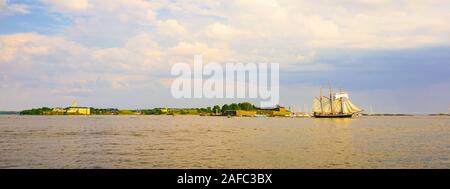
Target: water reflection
column 336, row 122
column 220, row 142
column 338, row 139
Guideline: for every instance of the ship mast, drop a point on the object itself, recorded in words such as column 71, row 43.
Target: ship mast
column 342, row 99
column 321, row 105
column 331, row 101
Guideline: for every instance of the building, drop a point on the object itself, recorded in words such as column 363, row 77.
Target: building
column 58, row 111
column 239, row 113
column 164, row 110
column 276, row 111
column 74, row 109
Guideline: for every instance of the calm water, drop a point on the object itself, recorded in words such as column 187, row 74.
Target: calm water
column 220, row 142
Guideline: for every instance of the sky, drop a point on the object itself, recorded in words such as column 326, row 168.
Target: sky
column 393, row 56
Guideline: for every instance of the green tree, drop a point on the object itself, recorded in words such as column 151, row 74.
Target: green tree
column 216, row 109
column 234, row 106
column 246, row 106
column 225, row 108
column 36, row 111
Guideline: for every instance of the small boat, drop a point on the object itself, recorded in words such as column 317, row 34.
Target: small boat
column 334, row 106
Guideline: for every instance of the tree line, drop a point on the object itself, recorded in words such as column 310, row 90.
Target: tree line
column 155, row 111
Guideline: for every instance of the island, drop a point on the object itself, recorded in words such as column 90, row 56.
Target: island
column 244, row 109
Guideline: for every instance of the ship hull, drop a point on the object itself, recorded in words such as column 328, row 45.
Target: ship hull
column 333, row 115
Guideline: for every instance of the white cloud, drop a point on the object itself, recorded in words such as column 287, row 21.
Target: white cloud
column 68, row 4
column 275, row 31
column 8, row 8
column 129, row 41
column 171, row 28
column 59, row 61
column 107, row 24
column 353, row 24
column 246, row 26
column 23, row 46
column 220, row 31
column 321, row 28
column 184, row 52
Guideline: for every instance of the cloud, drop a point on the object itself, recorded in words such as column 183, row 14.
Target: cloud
column 20, row 47
column 220, row 31
column 353, row 24
column 129, row 44
column 321, row 28
column 305, row 24
column 68, row 4
column 7, row 8
column 171, row 28
column 185, row 51
column 106, row 23
column 56, row 61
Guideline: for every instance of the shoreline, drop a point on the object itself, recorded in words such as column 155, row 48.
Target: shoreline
column 137, row 115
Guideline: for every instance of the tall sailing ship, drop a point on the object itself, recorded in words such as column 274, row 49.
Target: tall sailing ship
column 334, row 106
